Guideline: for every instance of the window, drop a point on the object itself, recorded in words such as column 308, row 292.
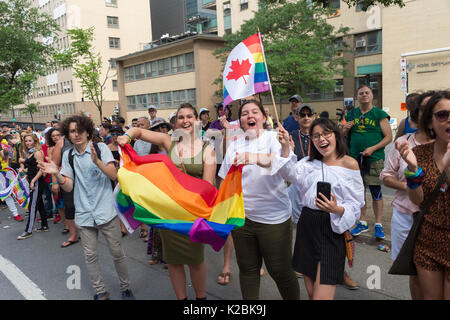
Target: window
column 129, row 73
column 112, row 64
column 368, row 43
column 111, row 3
column 141, row 101
column 178, row 64
column 227, row 23
column 244, row 5
column 139, row 71
column 153, row 99
column 113, row 22
column 114, row 85
column 191, row 97
column 151, row 69
column 164, row 66
column 179, row 97
column 131, row 102
column 165, row 99
column 114, row 43
column 189, row 61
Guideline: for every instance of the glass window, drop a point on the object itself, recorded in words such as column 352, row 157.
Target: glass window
column 227, row 22
column 164, row 66
column 368, row 43
column 141, row 101
column 178, row 64
column 179, row 97
column 151, row 69
column 111, row 3
column 153, row 99
column 165, row 99
column 114, row 43
column 189, row 58
column 114, row 85
column 139, row 71
column 191, row 97
column 131, row 102
column 113, row 22
column 244, row 5
column 129, row 73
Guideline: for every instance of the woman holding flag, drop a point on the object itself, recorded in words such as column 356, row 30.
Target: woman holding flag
column 267, row 233
column 196, row 158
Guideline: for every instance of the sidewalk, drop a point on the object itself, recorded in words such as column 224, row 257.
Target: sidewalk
column 367, row 237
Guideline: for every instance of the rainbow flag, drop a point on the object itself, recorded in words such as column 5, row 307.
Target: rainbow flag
column 8, row 177
column 245, row 72
column 155, row 192
column 21, row 192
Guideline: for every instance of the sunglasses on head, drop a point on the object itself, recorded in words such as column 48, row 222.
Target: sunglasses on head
column 442, row 115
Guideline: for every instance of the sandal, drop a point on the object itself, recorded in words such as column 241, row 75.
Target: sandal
column 65, row 230
column 226, row 276
column 153, row 261
column 143, row 233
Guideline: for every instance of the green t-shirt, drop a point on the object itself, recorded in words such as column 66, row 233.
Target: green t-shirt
column 366, row 132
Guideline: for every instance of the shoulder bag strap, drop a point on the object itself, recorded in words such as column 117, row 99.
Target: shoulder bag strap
column 435, row 192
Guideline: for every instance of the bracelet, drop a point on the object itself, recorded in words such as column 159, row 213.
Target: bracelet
column 63, row 181
column 414, row 179
column 129, row 137
column 53, row 183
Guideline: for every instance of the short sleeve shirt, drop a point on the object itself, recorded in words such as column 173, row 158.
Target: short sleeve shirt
column 93, row 195
column 366, row 132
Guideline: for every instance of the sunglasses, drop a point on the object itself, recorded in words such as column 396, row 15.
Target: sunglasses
column 308, row 114
column 116, row 134
column 442, row 115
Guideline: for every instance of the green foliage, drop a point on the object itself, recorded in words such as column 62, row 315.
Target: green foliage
column 299, row 46
column 351, row 3
column 23, row 55
column 86, row 63
column 30, row 109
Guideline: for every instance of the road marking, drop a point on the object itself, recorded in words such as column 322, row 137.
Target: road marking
column 23, row 284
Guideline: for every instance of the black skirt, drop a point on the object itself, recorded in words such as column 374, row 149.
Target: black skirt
column 316, row 242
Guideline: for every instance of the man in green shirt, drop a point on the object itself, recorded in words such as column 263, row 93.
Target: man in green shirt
column 370, row 133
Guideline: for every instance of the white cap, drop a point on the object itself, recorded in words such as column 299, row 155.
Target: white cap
column 203, row 110
column 173, row 114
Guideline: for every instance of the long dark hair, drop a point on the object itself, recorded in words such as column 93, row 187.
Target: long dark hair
column 341, row 146
column 48, row 137
column 260, row 106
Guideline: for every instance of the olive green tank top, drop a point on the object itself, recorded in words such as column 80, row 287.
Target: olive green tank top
column 194, row 165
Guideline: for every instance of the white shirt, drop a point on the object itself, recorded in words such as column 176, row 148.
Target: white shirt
column 265, row 196
column 346, row 185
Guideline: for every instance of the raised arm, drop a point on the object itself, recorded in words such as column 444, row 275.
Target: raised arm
column 153, row 137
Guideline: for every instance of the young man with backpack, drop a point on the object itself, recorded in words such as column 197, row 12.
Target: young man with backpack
column 89, row 173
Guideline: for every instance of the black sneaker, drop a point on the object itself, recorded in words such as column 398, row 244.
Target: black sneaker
column 42, row 229
column 128, row 295
column 102, row 296
column 24, row 235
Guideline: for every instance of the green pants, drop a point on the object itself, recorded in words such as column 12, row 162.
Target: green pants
column 273, row 243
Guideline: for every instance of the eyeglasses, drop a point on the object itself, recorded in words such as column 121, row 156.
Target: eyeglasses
column 309, row 115
column 325, row 134
column 442, row 115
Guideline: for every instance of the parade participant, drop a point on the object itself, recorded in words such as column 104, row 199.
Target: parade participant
column 319, row 251
column 267, row 233
column 204, row 118
column 31, row 153
column 370, row 133
column 290, row 123
column 403, row 208
column 52, row 137
column 192, row 155
column 409, row 124
column 89, row 173
column 426, row 163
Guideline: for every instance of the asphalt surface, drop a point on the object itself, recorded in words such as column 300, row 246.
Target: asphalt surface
column 56, row 273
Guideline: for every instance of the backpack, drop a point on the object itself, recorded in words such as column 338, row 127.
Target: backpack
column 99, row 155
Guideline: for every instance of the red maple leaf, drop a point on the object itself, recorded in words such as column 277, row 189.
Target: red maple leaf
column 239, row 70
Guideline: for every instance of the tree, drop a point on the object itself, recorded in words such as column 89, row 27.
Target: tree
column 300, row 46
column 86, row 63
column 23, row 54
column 365, row 3
column 31, row 108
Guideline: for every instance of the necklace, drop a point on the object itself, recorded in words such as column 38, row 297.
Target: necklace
column 301, row 144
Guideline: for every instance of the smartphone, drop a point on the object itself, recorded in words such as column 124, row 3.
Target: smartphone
column 324, row 188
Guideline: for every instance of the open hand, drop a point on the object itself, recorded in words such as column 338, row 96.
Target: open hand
column 407, row 155
column 48, row 167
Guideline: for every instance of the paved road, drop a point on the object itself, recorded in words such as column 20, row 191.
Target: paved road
column 37, row 268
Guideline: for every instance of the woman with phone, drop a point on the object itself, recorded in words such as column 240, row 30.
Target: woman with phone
column 333, row 194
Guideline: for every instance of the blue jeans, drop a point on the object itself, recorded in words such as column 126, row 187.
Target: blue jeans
column 49, row 207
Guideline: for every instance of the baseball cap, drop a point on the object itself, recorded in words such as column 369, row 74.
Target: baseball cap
column 296, row 97
column 203, row 110
column 304, row 105
column 116, row 129
column 151, row 107
column 158, row 122
column 173, row 114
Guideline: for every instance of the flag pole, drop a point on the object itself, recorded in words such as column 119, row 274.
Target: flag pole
column 268, row 76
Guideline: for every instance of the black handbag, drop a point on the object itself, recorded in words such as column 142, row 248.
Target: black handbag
column 404, row 264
